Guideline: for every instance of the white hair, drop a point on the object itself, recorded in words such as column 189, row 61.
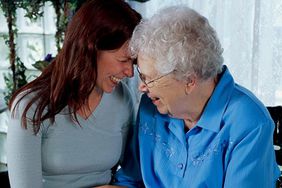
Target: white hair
column 179, row 39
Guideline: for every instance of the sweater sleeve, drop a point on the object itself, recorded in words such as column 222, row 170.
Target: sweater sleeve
column 23, row 152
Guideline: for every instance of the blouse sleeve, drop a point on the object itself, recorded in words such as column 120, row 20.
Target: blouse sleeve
column 251, row 163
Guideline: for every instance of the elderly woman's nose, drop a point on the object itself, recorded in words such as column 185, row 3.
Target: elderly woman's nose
column 142, row 87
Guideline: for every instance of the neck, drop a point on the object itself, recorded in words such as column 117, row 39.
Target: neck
column 94, row 100
column 198, row 100
column 189, row 124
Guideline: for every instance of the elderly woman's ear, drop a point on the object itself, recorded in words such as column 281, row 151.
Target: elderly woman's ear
column 190, row 84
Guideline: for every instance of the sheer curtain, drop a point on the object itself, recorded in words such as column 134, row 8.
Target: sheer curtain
column 251, row 35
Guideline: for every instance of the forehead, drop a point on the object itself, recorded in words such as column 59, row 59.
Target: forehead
column 146, row 65
column 123, row 51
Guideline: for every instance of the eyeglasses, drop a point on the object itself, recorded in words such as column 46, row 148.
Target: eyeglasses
column 150, row 83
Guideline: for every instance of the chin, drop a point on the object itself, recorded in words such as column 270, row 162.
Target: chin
column 108, row 89
column 162, row 110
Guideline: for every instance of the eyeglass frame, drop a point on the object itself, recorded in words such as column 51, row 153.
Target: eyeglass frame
column 143, row 79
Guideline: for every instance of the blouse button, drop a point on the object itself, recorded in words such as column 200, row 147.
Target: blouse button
column 180, row 166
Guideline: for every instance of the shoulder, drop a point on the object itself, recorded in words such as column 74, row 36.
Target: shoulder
column 21, row 101
column 121, row 94
column 21, row 107
column 147, row 102
column 248, row 105
column 146, row 106
column 248, row 113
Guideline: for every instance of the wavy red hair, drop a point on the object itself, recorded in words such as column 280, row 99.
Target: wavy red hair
column 98, row 25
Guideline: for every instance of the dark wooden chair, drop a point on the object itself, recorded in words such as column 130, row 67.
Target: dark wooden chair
column 276, row 114
column 4, row 180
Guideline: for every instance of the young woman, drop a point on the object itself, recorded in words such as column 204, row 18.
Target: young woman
column 68, row 127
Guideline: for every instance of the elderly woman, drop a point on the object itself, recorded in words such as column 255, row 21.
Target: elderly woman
column 196, row 127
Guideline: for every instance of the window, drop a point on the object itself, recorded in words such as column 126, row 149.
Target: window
column 35, row 40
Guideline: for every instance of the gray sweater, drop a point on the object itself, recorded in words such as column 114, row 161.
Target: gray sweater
column 65, row 154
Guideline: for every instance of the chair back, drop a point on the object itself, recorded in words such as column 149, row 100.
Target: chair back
column 276, row 114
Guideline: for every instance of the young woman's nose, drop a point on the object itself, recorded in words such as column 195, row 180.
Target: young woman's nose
column 128, row 69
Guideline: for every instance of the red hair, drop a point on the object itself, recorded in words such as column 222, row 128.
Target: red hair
column 71, row 77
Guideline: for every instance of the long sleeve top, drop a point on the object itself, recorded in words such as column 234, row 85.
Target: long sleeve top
column 230, row 146
column 65, row 154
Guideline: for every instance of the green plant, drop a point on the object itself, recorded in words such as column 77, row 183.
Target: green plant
column 42, row 64
column 17, row 78
column 64, row 10
column 20, row 80
column 13, row 80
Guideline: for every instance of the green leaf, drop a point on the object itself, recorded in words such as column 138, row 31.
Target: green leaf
column 40, row 65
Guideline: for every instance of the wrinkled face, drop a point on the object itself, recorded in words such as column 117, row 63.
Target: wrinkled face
column 113, row 66
column 166, row 93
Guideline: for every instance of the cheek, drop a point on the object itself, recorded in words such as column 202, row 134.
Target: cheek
column 171, row 100
column 102, row 78
column 166, row 98
column 99, row 76
column 103, row 73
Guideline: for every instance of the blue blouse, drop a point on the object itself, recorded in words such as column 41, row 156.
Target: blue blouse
column 230, row 146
